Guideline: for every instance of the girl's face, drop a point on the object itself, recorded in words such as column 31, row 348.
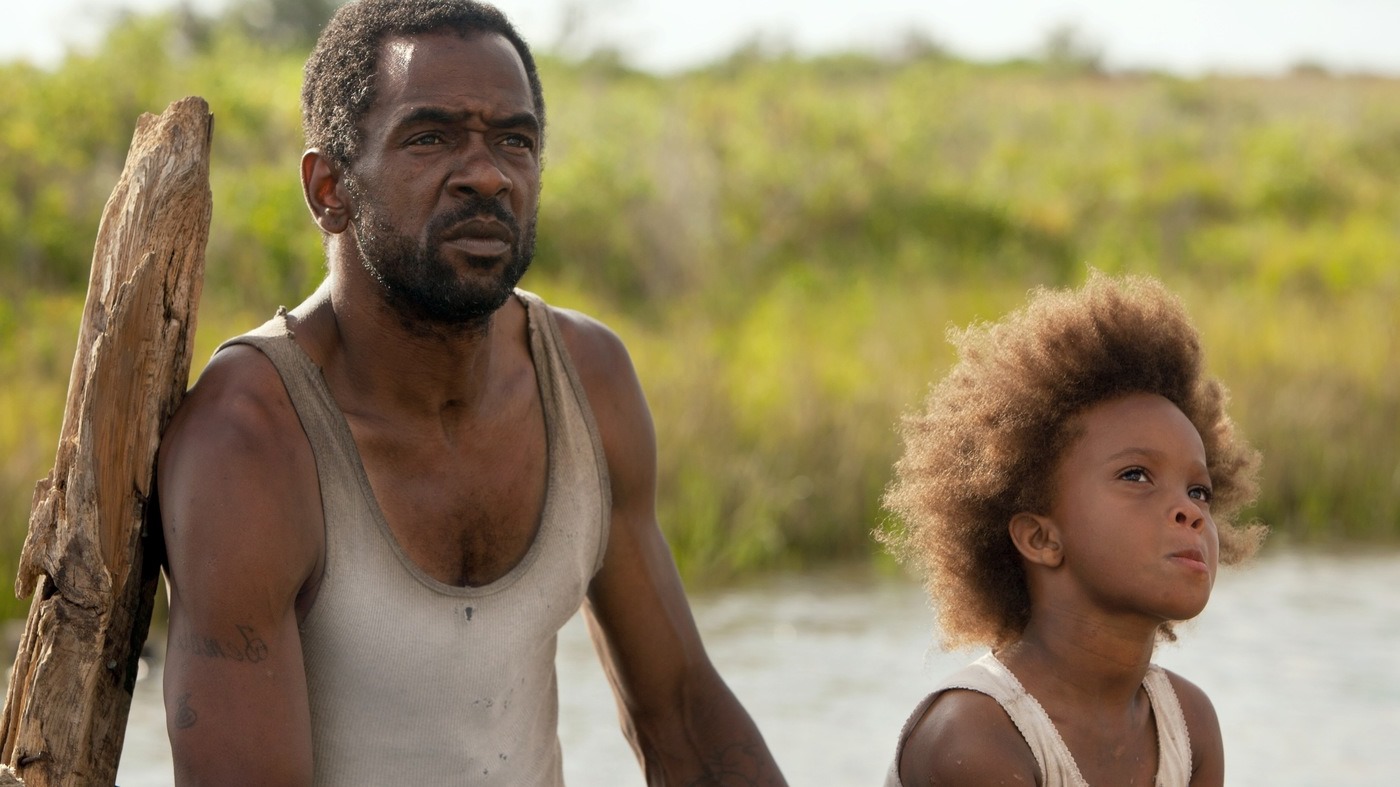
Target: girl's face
column 1132, row 501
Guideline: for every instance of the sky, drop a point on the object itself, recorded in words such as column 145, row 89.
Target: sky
column 1189, row 37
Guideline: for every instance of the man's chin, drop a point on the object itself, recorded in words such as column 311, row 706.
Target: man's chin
column 434, row 310
column 446, row 319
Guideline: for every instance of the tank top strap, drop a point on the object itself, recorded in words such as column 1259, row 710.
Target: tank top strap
column 320, row 418
column 566, row 403
column 989, row 676
column 1173, row 737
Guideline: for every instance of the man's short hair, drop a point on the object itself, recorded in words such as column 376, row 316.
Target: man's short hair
column 339, row 81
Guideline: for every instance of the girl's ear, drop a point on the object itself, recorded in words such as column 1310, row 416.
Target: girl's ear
column 1037, row 538
column 323, row 185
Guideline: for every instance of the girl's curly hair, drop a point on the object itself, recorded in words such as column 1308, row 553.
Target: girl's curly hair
column 993, row 430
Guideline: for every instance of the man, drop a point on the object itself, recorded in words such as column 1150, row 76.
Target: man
column 380, row 507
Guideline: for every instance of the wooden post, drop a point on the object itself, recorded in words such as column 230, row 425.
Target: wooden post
column 91, row 559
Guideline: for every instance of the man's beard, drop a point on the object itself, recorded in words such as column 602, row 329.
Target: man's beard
column 421, row 287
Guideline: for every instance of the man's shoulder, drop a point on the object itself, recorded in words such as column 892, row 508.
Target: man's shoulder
column 592, row 345
column 239, row 406
column 237, row 476
column 610, row 383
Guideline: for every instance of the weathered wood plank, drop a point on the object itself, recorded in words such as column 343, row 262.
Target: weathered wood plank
column 87, row 558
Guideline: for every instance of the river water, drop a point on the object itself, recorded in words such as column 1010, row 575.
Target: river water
column 1299, row 652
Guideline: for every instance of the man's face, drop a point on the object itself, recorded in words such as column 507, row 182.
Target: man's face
column 446, row 190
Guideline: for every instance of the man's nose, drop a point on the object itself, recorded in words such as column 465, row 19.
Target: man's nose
column 478, row 172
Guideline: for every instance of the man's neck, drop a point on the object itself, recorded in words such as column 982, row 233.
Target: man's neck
column 378, row 366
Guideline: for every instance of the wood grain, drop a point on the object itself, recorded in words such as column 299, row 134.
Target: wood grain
column 92, row 554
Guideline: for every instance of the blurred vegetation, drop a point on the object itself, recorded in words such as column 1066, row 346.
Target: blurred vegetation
column 783, row 241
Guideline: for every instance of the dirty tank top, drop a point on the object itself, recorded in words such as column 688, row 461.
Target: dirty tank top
column 413, row 681
column 1057, row 767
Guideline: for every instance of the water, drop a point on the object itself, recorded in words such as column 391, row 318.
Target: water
column 1298, row 652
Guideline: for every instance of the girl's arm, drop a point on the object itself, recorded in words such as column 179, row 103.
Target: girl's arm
column 965, row 738
column 1207, row 748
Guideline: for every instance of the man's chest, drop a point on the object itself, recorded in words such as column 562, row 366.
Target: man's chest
column 464, row 514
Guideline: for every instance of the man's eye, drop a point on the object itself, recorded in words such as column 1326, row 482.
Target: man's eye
column 518, row 141
column 430, row 138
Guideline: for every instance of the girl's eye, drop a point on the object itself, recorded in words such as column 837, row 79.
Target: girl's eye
column 1201, row 493
column 1133, row 474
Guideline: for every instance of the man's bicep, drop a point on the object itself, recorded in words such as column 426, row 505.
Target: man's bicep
column 686, row 725
column 235, row 697
column 233, row 495
column 235, row 687
column 636, row 603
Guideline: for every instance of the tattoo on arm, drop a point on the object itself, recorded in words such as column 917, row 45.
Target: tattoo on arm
column 247, row 646
column 738, row 765
column 185, row 717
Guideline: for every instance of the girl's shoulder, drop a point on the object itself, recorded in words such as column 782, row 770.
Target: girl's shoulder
column 1203, row 726
column 965, row 737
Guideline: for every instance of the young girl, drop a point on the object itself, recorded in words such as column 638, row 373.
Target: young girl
column 1067, row 495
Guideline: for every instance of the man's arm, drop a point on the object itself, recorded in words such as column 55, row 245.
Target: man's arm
column 241, row 518
column 685, row 725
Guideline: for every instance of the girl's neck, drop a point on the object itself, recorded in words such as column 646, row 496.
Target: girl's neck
column 1069, row 658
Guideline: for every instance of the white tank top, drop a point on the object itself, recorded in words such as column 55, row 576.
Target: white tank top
column 1057, row 767
column 413, row 681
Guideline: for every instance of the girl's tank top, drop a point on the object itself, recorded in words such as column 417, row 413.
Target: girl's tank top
column 1057, row 767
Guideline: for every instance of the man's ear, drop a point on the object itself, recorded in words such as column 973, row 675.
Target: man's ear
column 1037, row 538
column 323, row 185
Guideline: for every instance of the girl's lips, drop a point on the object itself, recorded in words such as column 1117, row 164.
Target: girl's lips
column 1191, row 558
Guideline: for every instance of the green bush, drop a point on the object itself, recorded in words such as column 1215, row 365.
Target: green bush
column 783, row 242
